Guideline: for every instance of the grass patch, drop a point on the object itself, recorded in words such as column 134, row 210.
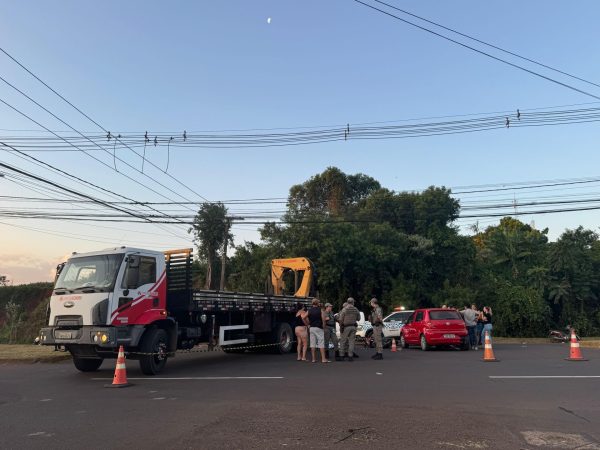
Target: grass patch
column 30, row 353
column 588, row 342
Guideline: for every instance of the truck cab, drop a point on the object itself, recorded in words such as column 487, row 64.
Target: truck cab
column 105, row 299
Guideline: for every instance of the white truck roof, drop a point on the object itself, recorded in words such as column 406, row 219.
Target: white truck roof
column 115, row 251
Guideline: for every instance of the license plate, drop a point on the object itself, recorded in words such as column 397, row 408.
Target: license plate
column 449, row 336
column 63, row 335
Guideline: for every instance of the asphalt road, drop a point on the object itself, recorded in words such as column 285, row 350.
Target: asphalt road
column 412, row 399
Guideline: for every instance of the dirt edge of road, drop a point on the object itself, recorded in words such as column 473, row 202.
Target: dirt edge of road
column 23, row 353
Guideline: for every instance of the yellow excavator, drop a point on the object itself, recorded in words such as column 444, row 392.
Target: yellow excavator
column 299, row 266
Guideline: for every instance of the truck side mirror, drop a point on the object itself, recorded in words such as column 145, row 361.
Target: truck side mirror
column 133, row 262
column 59, row 269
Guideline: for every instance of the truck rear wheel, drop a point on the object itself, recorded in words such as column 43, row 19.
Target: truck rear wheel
column 87, row 364
column 284, row 338
column 155, row 344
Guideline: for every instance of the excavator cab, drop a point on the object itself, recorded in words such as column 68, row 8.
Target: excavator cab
column 304, row 273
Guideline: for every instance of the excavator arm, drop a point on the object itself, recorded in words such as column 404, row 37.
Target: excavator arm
column 280, row 266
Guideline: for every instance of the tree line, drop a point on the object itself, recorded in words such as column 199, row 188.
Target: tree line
column 405, row 249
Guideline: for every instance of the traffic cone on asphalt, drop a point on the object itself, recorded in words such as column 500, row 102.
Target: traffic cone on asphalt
column 575, row 351
column 488, row 352
column 120, row 378
column 394, row 348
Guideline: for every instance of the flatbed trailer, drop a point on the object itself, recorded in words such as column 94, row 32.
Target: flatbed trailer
column 145, row 301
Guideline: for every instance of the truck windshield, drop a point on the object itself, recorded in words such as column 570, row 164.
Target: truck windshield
column 92, row 272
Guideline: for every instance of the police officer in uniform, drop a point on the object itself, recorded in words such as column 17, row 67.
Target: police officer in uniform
column 330, row 335
column 348, row 318
column 377, row 322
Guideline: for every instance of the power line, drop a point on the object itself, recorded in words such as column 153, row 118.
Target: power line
column 56, row 169
column 83, row 151
column 79, row 237
column 516, row 66
column 488, row 44
column 278, row 219
column 518, row 119
column 79, row 194
column 303, row 127
column 90, row 119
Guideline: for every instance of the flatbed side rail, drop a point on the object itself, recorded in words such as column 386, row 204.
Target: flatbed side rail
column 213, row 301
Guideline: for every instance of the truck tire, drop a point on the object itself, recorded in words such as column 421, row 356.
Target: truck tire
column 87, row 364
column 156, row 342
column 284, row 337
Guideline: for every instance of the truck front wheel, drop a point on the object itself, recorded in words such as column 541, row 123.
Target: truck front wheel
column 87, row 364
column 154, row 347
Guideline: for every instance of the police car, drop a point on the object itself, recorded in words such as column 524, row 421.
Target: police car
column 392, row 324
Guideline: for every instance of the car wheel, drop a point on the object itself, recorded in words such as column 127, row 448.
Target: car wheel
column 369, row 341
column 403, row 342
column 424, row 345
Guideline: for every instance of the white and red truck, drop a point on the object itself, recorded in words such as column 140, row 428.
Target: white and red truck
column 144, row 300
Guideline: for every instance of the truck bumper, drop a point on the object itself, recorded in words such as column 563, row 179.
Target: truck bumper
column 103, row 337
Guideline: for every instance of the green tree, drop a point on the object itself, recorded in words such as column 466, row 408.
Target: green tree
column 331, row 192
column 14, row 315
column 573, row 264
column 520, row 311
column 212, row 233
column 512, row 247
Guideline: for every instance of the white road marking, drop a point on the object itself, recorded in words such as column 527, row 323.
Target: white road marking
column 527, row 377
column 193, row 378
column 46, row 400
column 159, row 398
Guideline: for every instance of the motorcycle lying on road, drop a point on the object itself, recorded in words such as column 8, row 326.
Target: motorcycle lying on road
column 559, row 336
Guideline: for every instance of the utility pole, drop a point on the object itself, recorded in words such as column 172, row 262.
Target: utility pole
column 224, row 254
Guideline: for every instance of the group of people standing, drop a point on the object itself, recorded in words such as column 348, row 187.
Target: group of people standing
column 316, row 327
column 478, row 323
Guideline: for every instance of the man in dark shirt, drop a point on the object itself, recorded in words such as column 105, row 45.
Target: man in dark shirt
column 317, row 319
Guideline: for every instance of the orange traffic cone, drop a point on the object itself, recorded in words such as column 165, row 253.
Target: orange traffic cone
column 120, row 378
column 394, row 348
column 575, row 352
column 488, row 353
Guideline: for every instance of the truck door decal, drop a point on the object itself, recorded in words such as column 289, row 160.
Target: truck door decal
column 152, row 293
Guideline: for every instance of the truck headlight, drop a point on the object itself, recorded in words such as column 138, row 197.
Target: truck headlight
column 100, row 337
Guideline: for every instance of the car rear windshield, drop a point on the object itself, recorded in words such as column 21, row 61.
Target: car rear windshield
column 444, row 315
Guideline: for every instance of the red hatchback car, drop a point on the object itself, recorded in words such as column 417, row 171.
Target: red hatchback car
column 434, row 326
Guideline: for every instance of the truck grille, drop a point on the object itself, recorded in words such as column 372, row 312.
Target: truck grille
column 68, row 321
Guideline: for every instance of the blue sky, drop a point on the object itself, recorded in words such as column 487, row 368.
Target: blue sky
column 175, row 66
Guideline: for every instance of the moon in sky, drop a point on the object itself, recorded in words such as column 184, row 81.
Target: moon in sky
column 269, row 20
